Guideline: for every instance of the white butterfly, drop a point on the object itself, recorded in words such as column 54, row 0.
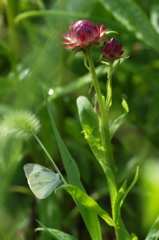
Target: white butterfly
column 42, row 181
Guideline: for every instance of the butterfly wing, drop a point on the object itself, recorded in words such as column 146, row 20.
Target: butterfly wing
column 42, row 181
column 30, row 168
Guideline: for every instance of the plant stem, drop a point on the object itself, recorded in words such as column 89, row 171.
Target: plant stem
column 118, row 226
column 11, row 7
column 108, row 102
column 105, row 134
column 104, row 111
column 46, row 152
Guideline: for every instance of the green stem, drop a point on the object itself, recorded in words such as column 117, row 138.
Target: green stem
column 104, row 125
column 118, row 227
column 46, row 152
column 104, row 116
column 105, row 134
column 108, row 102
column 11, row 9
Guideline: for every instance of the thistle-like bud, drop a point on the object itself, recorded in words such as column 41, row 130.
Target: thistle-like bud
column 112, row 50
column 84, row 33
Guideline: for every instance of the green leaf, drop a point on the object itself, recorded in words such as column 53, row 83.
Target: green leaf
column 123, row 192
column 90, row 125
column 155, row 16
column 121, row 195
column 56, row 234
column 153, row 234
column 125, row 105
column 132, row 16
column 120, row 120
column 134, row 237
column 117, row 205
column 90, row 218
column 88, row 202
column 122, row 232
column 131, row 185
column 115, row 65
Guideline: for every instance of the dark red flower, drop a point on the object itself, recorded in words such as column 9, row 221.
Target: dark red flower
column 112, row 50
column 84, row 33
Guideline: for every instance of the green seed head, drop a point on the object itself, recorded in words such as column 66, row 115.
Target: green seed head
column 19, row 124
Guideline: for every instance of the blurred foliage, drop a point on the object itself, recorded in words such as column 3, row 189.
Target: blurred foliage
column 31, row 55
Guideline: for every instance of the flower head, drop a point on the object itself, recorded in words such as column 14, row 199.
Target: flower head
column 112, row 50
column 84, row 33
column 19, row 124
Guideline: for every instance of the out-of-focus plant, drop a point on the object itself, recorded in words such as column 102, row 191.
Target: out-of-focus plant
column 28, row 55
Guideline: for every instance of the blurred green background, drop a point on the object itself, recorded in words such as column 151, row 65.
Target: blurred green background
column 30, row 55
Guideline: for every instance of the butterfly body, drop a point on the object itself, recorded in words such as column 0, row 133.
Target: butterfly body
column 42, row 181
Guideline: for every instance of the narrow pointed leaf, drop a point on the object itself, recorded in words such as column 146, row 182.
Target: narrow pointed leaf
column 90, row 218
column 134, row 237
column 155, row 16
column 123, row 192
column 120, row 120
column 90, row 125
column 120, row 196
column 88, row 202
column 56, row 234
column 153, row 234
column 131, row 185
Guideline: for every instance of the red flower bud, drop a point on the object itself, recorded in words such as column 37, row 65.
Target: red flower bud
column 112, row 50
column 84, row 33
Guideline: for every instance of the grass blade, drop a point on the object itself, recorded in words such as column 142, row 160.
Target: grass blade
column 89, row 217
